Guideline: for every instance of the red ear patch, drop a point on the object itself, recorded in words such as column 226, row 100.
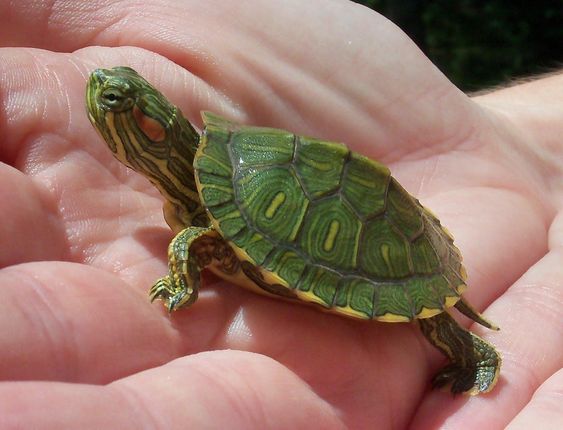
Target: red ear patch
column 150, row 127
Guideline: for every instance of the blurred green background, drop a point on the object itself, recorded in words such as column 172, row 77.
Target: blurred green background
column 479, row 44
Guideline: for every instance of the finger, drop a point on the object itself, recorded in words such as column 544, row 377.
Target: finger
column 73, row 204
column 544, row 410
column 531, row 343
column 363, row 367
column 281, row 65
column 223, row 389
column 29, row 230
column 495, row 252
column 534, row 109
column 70, row 322
column 43, row 109
column 87, row 326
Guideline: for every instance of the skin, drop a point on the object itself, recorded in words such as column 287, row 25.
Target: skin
column 83, row 238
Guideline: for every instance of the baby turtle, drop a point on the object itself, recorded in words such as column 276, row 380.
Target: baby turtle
column 292, row 217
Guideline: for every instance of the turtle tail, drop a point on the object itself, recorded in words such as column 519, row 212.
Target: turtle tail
column 467, row 310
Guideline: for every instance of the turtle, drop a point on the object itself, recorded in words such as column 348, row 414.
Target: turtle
column 292, row 217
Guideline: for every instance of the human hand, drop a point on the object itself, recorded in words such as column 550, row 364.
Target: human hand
column 89, row 239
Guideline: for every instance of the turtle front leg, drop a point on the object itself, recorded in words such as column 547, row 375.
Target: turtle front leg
column 190, row 251
column 475, row 363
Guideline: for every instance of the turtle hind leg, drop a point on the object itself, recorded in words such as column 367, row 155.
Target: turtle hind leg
column 190, row 251
column 475, row 363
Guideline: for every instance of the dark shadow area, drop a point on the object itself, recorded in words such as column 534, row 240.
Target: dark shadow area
column 482, row 44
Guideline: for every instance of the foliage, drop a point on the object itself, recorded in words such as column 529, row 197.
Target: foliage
column 479, row 44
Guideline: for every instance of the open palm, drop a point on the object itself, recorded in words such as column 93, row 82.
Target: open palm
column 83, row 238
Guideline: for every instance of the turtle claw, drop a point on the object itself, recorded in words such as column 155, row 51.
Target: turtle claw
column 468, row 380
column 181, row 300
column 461, row 379
column 174, row 296
column 160, row 289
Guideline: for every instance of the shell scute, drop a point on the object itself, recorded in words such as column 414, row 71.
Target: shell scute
column 364, row 185
column 319, row 165
column 320, row 281
column 287, row 264
column 330, row 234
column 393, row 299
column 253, row 147
column 216, row 161
column 269, row 197
column 218, row 189
column 423, row 255
column 256, row 245
column 385, row 254
column 361, row 294
column 400, row 207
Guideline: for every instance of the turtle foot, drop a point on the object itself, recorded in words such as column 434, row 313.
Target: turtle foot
column 469, row 380
column 174, row 296
column 475, row 363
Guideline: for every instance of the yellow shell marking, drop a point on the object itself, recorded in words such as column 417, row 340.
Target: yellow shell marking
column 298, row 222
column 385, row 254
column 333, row 230
column 389, row 317
column 277, row 201
column 353, row 313
column 430, row 312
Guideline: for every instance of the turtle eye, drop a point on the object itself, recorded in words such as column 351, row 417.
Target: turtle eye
column 112, row 97
column 115, row 100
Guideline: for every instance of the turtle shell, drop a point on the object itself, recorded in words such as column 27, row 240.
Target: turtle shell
column 328, row 224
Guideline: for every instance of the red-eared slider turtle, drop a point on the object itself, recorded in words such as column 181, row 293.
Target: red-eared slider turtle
column 294, row 217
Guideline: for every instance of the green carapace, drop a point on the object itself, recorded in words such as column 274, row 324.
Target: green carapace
column 292, row 217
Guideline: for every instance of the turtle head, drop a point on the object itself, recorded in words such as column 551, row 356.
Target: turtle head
column 135, row 120
column 145, row 132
